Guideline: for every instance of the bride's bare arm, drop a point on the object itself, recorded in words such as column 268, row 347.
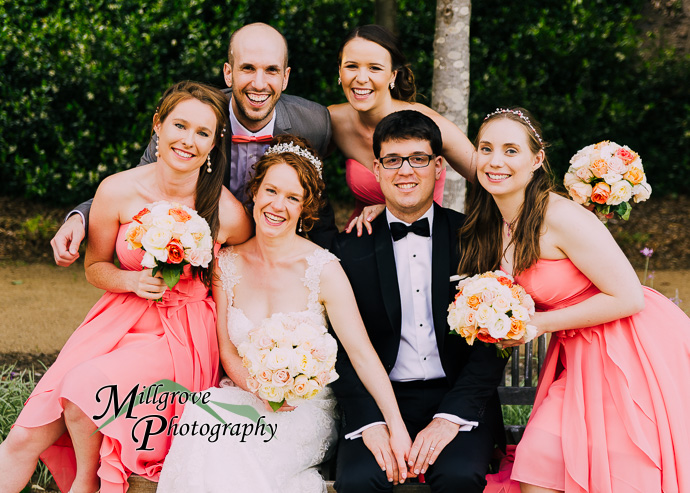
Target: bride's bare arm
column 339, row 300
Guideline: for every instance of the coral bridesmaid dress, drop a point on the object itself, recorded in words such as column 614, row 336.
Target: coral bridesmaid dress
column 128, row 342
column 611, row 411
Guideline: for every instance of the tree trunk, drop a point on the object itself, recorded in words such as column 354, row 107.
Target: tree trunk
column 451, row 84
column 385, row 13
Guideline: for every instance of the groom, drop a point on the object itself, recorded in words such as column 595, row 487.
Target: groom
column 400, row 274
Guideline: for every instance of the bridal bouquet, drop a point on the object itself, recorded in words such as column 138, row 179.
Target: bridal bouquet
column 604, row 177
column 172, row 235
column 491, row 307
column 289, row 359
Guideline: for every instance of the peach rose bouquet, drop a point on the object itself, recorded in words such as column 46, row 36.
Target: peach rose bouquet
column 604, row 177
column 172, row 235
column 491, row 307
column 289, row 359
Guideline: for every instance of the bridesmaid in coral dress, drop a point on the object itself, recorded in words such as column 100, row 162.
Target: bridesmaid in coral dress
column 129, row 341
column 610, row 415
column 377, row 81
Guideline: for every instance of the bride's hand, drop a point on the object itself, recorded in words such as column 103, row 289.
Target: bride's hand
column 537, row 321
column 369, row 213
column 282, row 409
column 400, row 445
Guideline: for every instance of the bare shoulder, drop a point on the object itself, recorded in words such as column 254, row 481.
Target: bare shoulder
column 119, row 185
column 228, row 206
column 566, row 216
column 235, row 226
column 339, row 112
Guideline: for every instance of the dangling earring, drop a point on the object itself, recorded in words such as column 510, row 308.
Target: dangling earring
column 392, row 85
column 208, row 163
column 158, row 154
column 339, row 81
column 300, row 225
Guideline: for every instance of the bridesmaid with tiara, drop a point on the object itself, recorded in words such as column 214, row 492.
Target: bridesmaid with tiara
column 610, row 415
column 129, row 341
column 378, row 81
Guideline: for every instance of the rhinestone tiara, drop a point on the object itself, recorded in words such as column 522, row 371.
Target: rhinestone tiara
column 295, row 149
column 522, row 116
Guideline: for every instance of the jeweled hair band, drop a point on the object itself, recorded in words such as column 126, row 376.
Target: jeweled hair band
column 522, row 116
column 300, row 151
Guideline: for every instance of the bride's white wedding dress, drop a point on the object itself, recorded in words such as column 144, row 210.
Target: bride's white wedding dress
column 286, row 462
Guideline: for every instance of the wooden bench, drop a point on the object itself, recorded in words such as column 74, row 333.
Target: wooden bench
column 520, row 390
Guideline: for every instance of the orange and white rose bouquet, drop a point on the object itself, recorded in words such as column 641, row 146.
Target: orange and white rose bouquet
column 289, row 358
column 491, row 307
column 172, row 235
column 604, row 177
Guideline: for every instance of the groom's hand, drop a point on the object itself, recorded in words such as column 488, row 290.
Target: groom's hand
column 66, row 241
column 377, row 440
column 429, row 443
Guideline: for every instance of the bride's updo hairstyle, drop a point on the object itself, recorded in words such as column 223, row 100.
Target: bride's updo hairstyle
column 404, row 89
column 480, row 236
column 300, row 156
column 208, row 185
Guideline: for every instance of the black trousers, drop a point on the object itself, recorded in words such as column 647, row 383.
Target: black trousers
column 460, row 468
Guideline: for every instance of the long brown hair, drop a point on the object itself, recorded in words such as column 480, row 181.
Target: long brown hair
column 208, row 185
column 480, row 237
column 404, row 88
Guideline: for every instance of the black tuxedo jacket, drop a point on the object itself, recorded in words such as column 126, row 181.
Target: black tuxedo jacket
column 473, row 372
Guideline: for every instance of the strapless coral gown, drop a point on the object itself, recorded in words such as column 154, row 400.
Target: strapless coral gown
column 367, row 190
column 611, row 411
column 128, row 341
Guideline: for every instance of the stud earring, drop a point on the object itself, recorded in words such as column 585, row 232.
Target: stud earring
column 392, row 85
column 300, row 225
column 339, row 81
column 208, row 163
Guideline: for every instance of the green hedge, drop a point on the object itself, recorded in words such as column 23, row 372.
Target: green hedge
column 80, row 80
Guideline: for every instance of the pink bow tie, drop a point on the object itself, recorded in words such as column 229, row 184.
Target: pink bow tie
column 244, row 139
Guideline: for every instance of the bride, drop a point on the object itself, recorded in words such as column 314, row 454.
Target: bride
column 278, row 272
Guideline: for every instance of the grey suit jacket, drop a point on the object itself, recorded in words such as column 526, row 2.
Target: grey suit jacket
column 294, row 115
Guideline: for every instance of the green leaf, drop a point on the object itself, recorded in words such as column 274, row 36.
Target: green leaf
column 623, row 210
column 242, row 410
column 171, row 274
column 276, row 405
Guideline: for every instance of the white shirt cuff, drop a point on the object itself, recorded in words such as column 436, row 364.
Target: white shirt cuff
column 464, row 424
column 83, row 221
column 358, row 433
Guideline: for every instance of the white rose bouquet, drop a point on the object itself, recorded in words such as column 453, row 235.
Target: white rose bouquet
column 172, row 235
column 604, row 177
column 491, row 307
column 289, row 359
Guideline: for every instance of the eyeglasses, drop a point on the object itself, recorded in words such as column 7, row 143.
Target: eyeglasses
column 415, row 160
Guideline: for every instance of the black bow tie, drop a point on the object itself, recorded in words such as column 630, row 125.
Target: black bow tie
column 419, row 227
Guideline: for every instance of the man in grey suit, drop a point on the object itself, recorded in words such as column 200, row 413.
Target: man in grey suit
column 256, row 73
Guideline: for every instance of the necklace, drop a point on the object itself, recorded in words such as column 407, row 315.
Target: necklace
column 509, row 225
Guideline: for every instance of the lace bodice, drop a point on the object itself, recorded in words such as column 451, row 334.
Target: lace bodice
column 238, row 323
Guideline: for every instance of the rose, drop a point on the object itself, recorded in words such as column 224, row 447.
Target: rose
column 324, row 348
column 470, row 319
column 175, row 252
column 634, row 175
column 264, row 376
column 485, row 315
column 474, row 300
column 504, row 281
column 620, row 192
column 134, row 234
column 303, row 362
column 641, row 192
column 278, row 358
column 272, row 393
column 598, row 168
column 281, row 378
column 179, row 214
column 600, row 193
column 149, row 261
column 580, row 192
column 253, row 384
column 484, row 336
column 155, row 239
column 570, row 179
column 142, row 213
column 299, row 387
column 164, row 222
column 312, row 388
column 617, row 165
column 520, row 313
column 612, row 178
column 500, row 304
column 584, row 174
column 626, row 155
column 454, row 315
column 500, row 326
column 199, row 257
column 517, row 329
